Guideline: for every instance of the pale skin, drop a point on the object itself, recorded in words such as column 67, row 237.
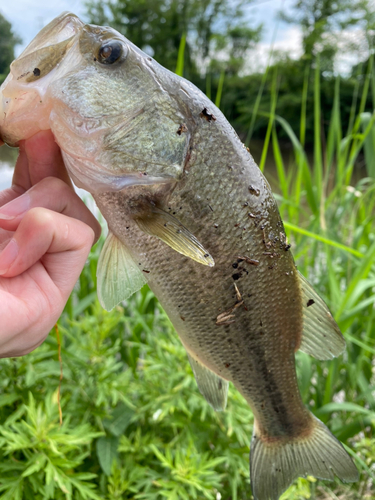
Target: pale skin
column 46, row 233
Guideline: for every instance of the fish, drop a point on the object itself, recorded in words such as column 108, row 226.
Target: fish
column 190, row 213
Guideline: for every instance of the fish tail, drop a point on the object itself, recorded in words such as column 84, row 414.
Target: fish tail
column 276, row 462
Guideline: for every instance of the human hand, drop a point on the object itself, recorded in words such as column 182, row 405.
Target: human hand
column 46, row 233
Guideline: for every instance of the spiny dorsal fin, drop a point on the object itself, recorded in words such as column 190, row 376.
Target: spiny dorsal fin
column 118, row 275
column 210, row 385
column 321, row 337
column 168, row 229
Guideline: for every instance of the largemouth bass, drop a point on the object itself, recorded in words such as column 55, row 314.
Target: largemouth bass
column 190, row 213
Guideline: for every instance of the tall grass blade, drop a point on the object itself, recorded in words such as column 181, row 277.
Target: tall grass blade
column 323, row 239
column 302, row 162
column 208, row 85
column 181, row 56
column 270, row 121
column 369, row 144
column 302, row 134
column 220, row 89
column 318, row 166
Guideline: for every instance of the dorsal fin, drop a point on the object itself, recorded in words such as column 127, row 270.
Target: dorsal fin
column 321, row 337
column 118, row 275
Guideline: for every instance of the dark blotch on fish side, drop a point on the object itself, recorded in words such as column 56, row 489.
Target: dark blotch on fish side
column 286, row 248
column 207, row 116
column 254, row 190
column 182, row 128
column 36, row 72
column 236, row 276
column 235, row 265
column 310, row 302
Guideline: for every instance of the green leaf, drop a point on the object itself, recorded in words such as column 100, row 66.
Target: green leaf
column 347, row 406
column 121, row 418
column 106, row 450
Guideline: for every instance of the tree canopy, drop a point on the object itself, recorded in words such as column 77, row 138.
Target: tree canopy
column 322, row 20
column 217, row 33
column 8, row 40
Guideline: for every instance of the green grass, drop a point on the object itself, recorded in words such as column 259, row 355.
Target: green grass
column 135, row 425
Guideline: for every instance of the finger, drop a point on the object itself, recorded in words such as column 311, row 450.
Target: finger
column 61, row 243
column 21, row 175
column 50, row 193
column 10, row 194
column 40, row 157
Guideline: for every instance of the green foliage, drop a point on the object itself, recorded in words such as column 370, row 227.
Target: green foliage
column 134, row 423
column 247, row 100
column 8, row 40
column 321, row 22
column 158, row 26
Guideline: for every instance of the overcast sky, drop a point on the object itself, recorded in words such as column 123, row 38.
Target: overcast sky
column 29, row 16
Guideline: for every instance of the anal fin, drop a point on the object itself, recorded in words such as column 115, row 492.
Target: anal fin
column 321, row 337
column 118, row 275
column 210, row 385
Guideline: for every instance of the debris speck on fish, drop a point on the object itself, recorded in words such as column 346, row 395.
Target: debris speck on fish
column 253, row 262
column 182, row 128
column 208, row 116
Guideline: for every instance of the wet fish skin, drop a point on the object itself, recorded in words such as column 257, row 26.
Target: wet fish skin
column 146, row 142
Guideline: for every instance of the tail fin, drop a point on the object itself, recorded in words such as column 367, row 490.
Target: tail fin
column 274, row 465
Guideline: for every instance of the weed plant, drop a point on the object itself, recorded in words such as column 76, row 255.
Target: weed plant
column 134, row 424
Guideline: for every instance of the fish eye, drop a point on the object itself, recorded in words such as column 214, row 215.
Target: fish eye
column 110, row 52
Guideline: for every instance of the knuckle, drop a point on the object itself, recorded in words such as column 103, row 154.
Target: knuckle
column 54, row 184
column 39, row 217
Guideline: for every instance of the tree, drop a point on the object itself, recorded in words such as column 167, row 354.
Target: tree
column 217, row 35
column 321, row 21
column 8, row 40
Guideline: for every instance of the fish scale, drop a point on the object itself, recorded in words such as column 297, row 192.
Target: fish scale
column 190, row 213
column 200, row 314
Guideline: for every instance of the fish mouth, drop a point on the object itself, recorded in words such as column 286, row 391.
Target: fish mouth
column 47, row 49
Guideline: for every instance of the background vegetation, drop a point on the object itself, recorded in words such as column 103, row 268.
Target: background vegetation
column 134, row 424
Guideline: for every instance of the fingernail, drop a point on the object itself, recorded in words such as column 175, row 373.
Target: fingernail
column 15, row 207
column 8, row 256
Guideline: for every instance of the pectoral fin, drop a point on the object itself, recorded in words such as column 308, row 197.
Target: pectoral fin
column 168, row 229
column 118, row 275
column 210, row 385
column 321, row 337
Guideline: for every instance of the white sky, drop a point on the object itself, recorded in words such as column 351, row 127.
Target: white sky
column 29, row 16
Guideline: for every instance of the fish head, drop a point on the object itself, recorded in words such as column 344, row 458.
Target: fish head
column 113, row 110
